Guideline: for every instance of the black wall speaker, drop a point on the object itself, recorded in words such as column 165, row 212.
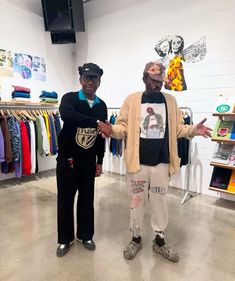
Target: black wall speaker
column 63, row 15
column 67, row 37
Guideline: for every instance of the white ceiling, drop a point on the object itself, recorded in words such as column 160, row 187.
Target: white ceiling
column 33, row 6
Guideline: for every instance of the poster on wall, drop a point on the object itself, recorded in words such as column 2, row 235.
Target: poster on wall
column 6, row 63
column 24, row 66
column 173, row 55
column 39, row 69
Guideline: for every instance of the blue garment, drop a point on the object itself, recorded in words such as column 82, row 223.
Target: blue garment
column 82, row 96
column 46, row 94
column 57, row 125
column 2, row 150
column 53, row 135
column 16, row 94
column 4, row 167
column 113, row 142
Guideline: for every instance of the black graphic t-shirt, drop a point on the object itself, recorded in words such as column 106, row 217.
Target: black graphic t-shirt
column 153, row 130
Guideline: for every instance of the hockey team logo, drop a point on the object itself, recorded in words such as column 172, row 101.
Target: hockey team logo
column 85, row 137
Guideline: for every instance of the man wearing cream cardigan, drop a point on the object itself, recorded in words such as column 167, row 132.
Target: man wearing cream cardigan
column 151, row 158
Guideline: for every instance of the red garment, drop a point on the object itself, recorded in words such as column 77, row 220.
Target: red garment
column 26, row 157
column 21, row 89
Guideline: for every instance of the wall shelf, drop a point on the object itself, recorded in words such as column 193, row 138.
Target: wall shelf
column 223, row 173
column 222, row 165
column 221, row 190
column 223, row 140
column 223, row 114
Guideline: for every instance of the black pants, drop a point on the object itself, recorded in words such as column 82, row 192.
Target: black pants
column 72, row 178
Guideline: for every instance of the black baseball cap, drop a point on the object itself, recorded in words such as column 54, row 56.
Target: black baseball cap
column 90, row 69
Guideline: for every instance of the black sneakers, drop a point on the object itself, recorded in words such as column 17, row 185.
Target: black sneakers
column 63, row 249
column 88, row 244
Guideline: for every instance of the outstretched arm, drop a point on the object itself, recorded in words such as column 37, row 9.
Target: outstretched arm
column 202, row 130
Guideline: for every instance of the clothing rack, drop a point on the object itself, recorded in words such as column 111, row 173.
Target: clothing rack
column 188, row 194
column 113, row 108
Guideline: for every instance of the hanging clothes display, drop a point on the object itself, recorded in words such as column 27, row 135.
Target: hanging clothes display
column 115, row 145
column 183, row 143
column 23, row 134
column 2, row 151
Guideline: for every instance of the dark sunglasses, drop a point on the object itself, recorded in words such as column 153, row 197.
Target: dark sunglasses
column 93, row 79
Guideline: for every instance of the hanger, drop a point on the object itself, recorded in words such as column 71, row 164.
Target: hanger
column 27, row 115
column 34, row 113
column 31, row 114
column 20, row 115
column 6, row 112
column 15, row 115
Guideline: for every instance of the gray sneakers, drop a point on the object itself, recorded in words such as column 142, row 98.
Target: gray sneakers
column 131, row 250
column 166, row 252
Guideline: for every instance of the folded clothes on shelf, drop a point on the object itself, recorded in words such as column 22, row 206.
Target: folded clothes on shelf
column 21, row 89
column 46, row 94
column 17, row 94
column 21, row 100
column 49, row 100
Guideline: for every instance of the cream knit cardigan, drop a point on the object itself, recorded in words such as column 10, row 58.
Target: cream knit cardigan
column 128, row 126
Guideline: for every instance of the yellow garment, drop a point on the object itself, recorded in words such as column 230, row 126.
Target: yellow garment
column 47, row 128
column 128, row 125
column 175, row 75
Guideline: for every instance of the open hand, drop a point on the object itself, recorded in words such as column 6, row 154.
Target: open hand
column 202, row 130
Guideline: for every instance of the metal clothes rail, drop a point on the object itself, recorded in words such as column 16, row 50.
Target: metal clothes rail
column 29, row 106
column 188, row 194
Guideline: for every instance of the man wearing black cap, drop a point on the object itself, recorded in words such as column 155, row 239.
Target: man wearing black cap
column 80, row 157
column 151, row 121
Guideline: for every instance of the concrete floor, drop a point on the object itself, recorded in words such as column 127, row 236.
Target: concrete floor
column 202, row 230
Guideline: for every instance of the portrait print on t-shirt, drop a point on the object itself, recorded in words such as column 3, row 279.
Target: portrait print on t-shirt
column 153, row 121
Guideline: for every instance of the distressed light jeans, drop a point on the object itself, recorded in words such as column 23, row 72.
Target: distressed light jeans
column 150, row 183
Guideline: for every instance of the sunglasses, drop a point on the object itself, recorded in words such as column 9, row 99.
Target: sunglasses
column 93, row 79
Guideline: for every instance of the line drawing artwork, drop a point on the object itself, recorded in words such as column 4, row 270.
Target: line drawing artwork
column 173, row 55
